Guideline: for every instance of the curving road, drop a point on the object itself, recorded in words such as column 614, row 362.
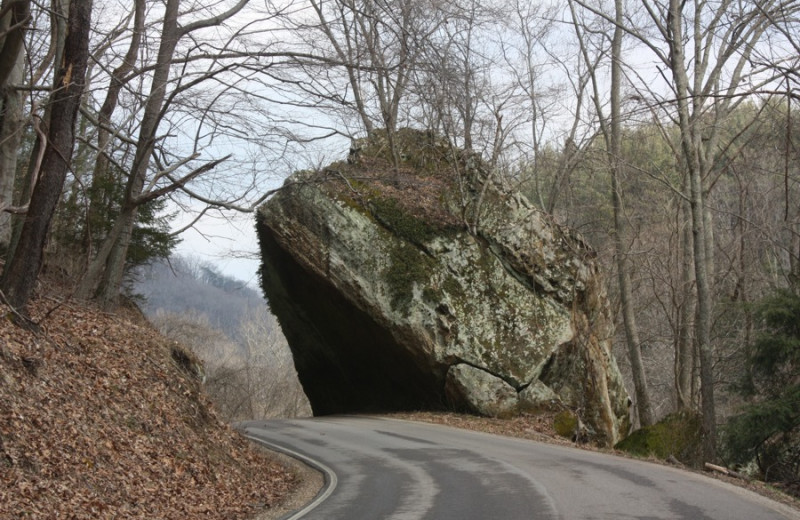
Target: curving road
column 389, row 469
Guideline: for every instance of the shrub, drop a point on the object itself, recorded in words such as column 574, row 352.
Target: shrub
column 767, row 429
column 677, row 435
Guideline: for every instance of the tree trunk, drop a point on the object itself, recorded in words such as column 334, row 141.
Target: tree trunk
column 11, row 127
column 643, row 406
column 102, row 181
column 103, row 278
column 108, row 292
column 20, row 273
column 703, row 324
column 12, row 29
column 691, row 146
column 119, row 238
column 13, row 25
column 684, row 352
column 59, row 26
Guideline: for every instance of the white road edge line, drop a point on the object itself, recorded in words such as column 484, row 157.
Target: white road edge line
column 331, row 480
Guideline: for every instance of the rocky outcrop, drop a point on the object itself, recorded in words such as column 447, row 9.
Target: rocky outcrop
column 427, row 285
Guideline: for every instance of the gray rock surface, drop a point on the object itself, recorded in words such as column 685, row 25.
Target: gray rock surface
column 481, row 391
column 428, row 285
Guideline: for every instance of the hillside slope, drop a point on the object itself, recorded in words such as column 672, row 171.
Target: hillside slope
column 100, row 417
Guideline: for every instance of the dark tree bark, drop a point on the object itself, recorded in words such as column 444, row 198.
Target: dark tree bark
column 21, row 271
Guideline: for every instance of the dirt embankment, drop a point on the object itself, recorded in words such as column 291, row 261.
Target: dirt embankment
column 101, row 417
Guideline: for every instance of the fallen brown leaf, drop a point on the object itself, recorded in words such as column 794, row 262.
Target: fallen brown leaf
column 98, row 421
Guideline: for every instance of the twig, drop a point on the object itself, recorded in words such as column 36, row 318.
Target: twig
column 20, row 319
column 345, row 179
column 53, row 309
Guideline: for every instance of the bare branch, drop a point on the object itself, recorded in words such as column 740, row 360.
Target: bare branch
column 177, row 184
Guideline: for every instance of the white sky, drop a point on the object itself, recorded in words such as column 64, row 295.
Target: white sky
column 228, row 243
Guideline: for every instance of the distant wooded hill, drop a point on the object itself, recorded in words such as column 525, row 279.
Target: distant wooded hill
column 249, row 369
column 187, row 285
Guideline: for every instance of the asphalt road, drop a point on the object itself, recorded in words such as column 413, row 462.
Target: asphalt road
column 389, row 469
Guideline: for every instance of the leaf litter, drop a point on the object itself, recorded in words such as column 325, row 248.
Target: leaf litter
column 101, row 417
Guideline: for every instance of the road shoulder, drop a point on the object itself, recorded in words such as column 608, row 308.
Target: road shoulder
column 309, row 484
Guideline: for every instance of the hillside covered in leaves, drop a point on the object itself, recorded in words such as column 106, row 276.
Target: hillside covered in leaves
column 101, row 417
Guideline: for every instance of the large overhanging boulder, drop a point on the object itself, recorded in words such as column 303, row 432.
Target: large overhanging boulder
column 428, row 285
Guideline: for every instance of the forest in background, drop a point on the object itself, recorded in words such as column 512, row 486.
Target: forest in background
column 249, row 372
column 664, row 130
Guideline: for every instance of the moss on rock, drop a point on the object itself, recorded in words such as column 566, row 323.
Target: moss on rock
column 408, row 267
column 566, row 424
column 677, row 435
column 391, row 214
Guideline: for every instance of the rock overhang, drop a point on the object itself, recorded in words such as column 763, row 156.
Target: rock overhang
column 346, row 361
column 390, row 299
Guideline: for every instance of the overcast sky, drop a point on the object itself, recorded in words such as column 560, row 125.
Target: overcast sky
column 230, row 244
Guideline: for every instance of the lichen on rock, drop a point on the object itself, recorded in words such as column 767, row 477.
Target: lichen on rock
column 481, row 392
column 425, row 284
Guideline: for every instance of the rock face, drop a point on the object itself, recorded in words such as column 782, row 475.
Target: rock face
column 427, row 285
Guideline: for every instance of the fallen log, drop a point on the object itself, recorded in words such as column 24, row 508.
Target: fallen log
column 724, row 471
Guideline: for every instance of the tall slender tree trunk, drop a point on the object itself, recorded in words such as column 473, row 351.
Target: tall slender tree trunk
column 691, row 146
column 59, row 16
column 703, row 324
column 12, row 28
column 103, row 278
column 643, row 405
column 20, row 273
column 684, row 352
column 794, row 275
column 102, row 180
column 791, row 217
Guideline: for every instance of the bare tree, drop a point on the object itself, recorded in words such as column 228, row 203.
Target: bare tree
column 102, row 178
column 371, row 51
column 700, row 94
column 705, row 51
column 44, row 44
column 20, row 273
column 644, row 407
column 104, row 275
column 611, row 128
column 528, row 55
